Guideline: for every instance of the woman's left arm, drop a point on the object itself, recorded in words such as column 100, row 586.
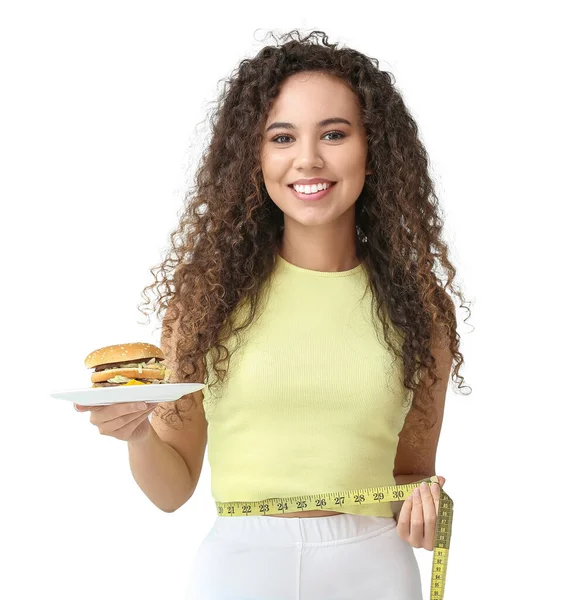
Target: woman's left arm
column 416, row 516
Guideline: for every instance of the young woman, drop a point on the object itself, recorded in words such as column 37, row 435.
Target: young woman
column 303, row 278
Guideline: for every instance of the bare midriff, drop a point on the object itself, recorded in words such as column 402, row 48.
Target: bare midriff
column 308, row 513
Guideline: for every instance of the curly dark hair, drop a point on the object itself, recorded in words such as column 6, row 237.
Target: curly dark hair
column 230, row 232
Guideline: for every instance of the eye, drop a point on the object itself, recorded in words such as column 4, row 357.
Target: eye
column 339, row 133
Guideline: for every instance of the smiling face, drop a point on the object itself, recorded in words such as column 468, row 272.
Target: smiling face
column 308, row 149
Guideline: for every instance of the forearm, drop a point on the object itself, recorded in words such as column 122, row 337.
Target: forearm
column 160, row 472
column 400, row 480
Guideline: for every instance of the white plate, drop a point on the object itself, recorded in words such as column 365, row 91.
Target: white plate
column 153, row 392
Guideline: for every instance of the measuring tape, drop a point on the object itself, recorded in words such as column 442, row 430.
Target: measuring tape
column 373, row 495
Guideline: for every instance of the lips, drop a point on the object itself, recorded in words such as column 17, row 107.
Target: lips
column 314, row 196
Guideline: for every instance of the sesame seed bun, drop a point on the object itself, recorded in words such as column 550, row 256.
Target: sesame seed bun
column 122, row 353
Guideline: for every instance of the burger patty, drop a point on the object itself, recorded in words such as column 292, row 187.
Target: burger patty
column 127, row 362
column 106, row 384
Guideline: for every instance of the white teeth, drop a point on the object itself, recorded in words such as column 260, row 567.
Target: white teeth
column 311, row 189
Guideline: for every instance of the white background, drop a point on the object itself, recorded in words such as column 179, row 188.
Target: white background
column 102, row 109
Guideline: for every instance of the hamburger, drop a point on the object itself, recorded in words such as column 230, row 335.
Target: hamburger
column 136, row 363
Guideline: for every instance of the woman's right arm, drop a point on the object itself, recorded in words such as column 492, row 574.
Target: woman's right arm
column 167, row 462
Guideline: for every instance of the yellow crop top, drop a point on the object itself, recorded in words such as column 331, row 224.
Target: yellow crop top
column 313, row 401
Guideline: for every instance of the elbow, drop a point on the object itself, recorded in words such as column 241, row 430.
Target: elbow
column 168, row 509
column 177, row 506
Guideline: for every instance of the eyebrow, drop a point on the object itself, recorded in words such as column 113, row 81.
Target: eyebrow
column 322, row 123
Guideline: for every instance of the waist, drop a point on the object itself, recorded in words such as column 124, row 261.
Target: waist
column 305, row 530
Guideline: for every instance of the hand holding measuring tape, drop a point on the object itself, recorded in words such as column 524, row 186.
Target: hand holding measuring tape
column 418, row 517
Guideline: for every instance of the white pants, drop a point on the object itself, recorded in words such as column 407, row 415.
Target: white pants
column 338, row 557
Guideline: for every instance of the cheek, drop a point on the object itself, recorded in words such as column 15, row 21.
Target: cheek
column 275, row 172
column 354, row 187
column 354, row 166
column 277, row 193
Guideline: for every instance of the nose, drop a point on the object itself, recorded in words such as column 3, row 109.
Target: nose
column 307, row 156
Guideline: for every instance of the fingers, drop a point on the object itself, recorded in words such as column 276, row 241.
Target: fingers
column 104, row 414
column 101, row 414
column 119, row 420
column 436, row 492
column 404, row 519
column 120, row 406
column 123, row 431
column 429, row 512
column 108, row 424
column 416, row 519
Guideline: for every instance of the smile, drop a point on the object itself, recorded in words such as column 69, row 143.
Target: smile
column 314, row 196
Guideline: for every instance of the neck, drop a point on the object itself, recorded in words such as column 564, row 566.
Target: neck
column 319, row 250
